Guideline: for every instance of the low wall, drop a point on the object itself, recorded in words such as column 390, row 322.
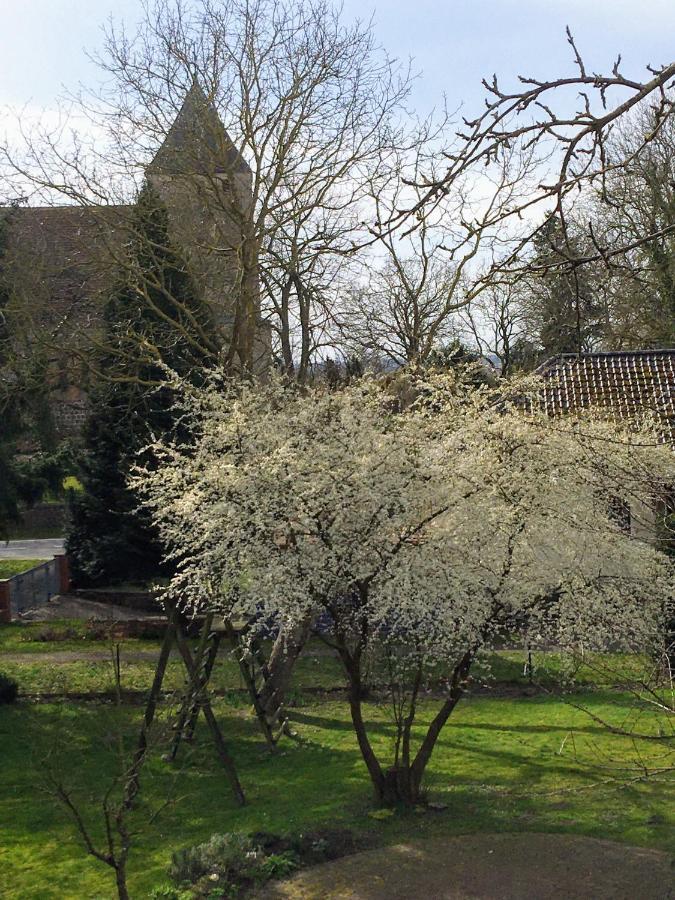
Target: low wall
column 32, row 588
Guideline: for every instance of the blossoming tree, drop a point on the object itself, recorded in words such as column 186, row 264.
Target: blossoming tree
column 418, row 531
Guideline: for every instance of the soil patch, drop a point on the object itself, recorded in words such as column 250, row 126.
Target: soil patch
column 68, row 606
column 489, row 867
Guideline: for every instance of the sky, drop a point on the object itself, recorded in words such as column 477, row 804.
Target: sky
column 453, row 43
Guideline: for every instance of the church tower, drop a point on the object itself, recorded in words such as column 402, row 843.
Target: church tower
column 206, row 187
column 59, row 263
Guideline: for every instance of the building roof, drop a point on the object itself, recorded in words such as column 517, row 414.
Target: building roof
column 628, row 383
column 62, row 254
column 197, row 142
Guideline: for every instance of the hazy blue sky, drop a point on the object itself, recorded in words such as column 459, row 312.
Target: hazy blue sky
column 454, row 42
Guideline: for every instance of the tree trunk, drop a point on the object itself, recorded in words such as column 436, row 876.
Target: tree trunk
column 399, row 787
column 401, row 783
column 305, row 328
column 121, row 881
column 377, row 776
column 287, row 647
column 285, row 328
column 457, row 688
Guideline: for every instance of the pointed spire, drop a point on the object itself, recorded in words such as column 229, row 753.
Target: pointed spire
column 197, row 142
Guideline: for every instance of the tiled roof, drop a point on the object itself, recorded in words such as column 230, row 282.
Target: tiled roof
column 197, row 142
column 626, row 382
column 66, row 253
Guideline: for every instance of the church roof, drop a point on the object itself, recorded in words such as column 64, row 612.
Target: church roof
column 197, row 142
column 68, row 250
column 627, row 383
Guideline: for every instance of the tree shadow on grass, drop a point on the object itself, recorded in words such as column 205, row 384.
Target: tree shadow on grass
column 318, row 780
column 384, row 728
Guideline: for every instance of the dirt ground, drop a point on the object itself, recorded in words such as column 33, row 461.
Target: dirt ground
column 489, row 867
column 68, row 606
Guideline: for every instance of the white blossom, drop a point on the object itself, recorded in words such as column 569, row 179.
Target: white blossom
column 443, row 522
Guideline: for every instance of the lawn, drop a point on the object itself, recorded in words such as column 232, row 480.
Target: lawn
column 34, row 532
column 517, row 763
column 9, row 567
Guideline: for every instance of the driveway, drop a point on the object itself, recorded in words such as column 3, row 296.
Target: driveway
column 42, row 549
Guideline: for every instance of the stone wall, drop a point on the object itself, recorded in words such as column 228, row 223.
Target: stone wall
column 69, row 410
column 44, row 517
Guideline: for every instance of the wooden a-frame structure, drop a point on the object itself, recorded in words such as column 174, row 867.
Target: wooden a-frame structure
column 199, row 666
column 195, row 699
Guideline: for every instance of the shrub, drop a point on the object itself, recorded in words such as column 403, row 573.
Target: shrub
column 225, row 855
column 9, row 689
column 228, row 864
column 169, row 892
column 278, row 865
column 49, row 633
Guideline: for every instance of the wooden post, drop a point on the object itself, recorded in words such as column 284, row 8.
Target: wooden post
column 249, row 681
column 133, row 784
column 189, row 710
column 63, row 570
column 208, row 668
column 219, row 741
column 5, row 604
column 174, row 633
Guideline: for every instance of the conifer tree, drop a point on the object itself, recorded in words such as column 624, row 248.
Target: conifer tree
column 154, row 319
column 561, row 309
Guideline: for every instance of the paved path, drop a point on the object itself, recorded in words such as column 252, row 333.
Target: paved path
column 489, row 867
column 42, row 549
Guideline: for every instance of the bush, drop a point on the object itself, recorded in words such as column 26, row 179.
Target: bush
column 228, row 864
column 9, row 689
column 278, row 865
column 169, row 892
column 49, row 633
column 224, row 855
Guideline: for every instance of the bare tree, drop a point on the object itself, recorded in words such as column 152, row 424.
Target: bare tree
column 495, row 324
column 565, row 125
column 406, row 306
column 401, row 313
column 311, row 107
column 640, row 199
column 117, row 801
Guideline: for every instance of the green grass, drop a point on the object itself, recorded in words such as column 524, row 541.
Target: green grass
column 22, row 637
column 503, row 764
column 61, row 635
column 95, row 675
column 314, row 670
column 530, row 764
column 9, row 567
column 33, row 532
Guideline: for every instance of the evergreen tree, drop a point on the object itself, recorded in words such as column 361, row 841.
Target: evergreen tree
column 154, row 318
column 24, row 412
column 561, row 308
